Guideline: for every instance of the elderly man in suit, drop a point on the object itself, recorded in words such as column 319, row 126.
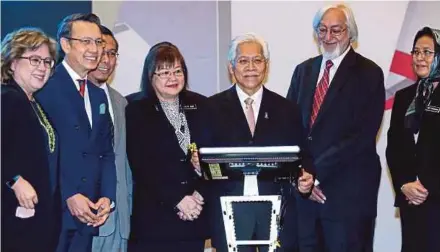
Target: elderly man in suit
column 113, row 235
column 248, row 114
column 341, row 96
column 79, row 112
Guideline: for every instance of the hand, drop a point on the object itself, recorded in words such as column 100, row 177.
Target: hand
column 305, row 182
column 103, row 206
column 25, row 193
column 79, row 206
column 415, row 192
column 317, row 195
column 195, row 161
column 198, row 196
column 190, row 207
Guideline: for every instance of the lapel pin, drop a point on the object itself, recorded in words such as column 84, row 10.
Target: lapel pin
column 266, row 115
column 157, row 109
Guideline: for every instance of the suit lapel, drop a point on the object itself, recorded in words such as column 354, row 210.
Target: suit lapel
column 312, row 74
column 338, row 81
column 95, row 105
column 117, row 114
column 73, row 95
column 263, row 114
column 232, row 102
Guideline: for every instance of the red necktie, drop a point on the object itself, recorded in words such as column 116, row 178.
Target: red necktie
column 82, row 86
column 320, row 92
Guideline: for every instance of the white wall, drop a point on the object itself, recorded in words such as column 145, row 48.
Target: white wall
column 287, row 27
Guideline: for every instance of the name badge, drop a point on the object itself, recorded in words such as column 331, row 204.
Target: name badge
column 190, row 107
column 433, row 109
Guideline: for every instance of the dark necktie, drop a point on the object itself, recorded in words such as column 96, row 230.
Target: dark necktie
column 82, row 86
column 321, row 91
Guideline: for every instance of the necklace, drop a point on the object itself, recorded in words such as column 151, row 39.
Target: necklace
column 46, row 125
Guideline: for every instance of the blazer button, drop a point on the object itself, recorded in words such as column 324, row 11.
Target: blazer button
column 84, row 154
column 84, row 179
column 77, row 127
column 251, row 142
column 101, row 156
column 309, row 138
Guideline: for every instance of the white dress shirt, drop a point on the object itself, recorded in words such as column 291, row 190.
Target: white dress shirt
column 242, row 96
column 110, row 106
column 336, row 63
column 75, row 78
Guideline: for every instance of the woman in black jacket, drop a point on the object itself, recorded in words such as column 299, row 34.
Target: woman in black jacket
column 413, row 148
column 168, row 198
column 30, row 198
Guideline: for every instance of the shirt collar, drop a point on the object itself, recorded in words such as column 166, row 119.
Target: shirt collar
column 257, row 96
column 75, row 77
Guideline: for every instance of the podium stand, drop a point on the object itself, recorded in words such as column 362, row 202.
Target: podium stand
column 250, row 161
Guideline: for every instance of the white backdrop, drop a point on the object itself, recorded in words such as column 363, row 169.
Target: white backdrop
column 287, row 27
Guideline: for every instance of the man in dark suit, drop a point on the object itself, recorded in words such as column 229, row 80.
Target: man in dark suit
column 79, row 111
column 341, row 96
column 248, row 114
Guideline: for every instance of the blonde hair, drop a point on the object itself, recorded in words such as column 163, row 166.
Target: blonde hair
column 16, row 43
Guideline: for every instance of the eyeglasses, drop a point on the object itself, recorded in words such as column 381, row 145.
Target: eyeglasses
column 88, row 41
column 425, row 53
column 36, row 61
column 167, row 73
column 334, row 31
column 111, row 53
column 258, row 61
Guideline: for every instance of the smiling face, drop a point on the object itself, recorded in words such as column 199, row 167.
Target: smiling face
column 423, row 56
column 32, row 77
column 250, row 67
column 80, row 56
column 168, row 81
column 333, row 34
column 108, row 62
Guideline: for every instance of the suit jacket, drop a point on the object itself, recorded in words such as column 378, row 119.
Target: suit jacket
column 163, row 175
column 124, row 185
column 25, row 152
column 408, row 159
column 342, row 140
column 278, row 124
column 87, row 160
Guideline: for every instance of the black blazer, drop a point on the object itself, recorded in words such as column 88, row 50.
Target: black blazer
column 25, row 152
column 278, row 124
column 407, row 159
column 343, row 138
column 163, row 175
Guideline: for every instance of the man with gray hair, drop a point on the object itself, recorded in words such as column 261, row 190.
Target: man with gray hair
column 341, row 95
column 248, row 114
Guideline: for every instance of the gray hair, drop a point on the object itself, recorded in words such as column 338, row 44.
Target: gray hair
column 246, row 38
column 349, row 16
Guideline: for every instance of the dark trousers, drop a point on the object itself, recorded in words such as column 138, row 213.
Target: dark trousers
column 73, row 241
column 420, row 227
column 166, row 246
column 252, row 222
column 352, row 234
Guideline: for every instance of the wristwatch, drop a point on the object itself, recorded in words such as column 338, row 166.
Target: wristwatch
column 10, row 183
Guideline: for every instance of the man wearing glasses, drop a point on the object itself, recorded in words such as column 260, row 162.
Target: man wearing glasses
column 113, row 235
column 79, row 111
column 341, row 96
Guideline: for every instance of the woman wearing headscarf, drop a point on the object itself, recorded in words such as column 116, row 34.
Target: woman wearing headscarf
column 413, row 148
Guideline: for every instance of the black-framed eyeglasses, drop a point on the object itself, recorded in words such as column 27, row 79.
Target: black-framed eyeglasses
column 111, row 53
column 334, row 31
column 168, row 73
column 89, row 41
column 425, row 53
column 36, row 61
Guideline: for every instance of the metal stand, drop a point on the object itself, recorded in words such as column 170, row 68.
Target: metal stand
column 250, row 194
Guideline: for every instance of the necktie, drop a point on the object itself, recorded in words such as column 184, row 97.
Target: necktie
column 82, row 86
column 250, row 114
column 320, row 92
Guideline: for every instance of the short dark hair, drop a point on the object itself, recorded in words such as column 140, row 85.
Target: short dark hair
column 161, row 54
column 108, row 32
column 65, row 26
